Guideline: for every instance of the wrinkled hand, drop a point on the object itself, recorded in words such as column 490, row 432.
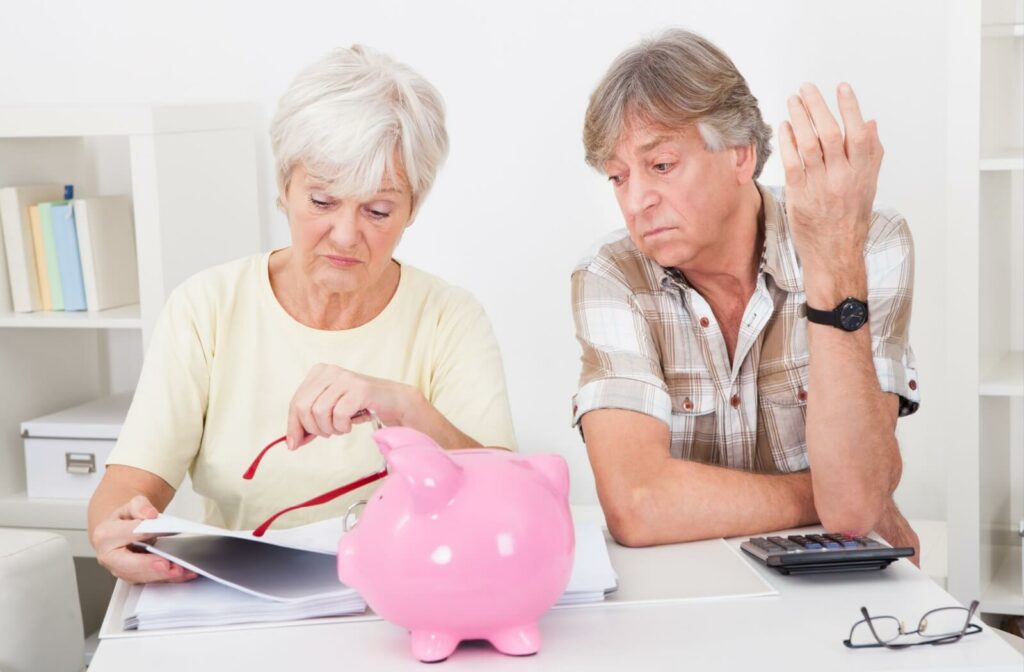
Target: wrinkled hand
column 831, row 178
column 332, row 399
column 896, row 531
column 112, row 537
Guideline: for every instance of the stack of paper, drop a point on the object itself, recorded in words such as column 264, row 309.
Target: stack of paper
column 205, row 603
column 290, row 574
column 593, row 576
column 243, row 581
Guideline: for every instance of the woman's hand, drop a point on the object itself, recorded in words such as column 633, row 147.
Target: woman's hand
column 331, row 399
column 112, row 537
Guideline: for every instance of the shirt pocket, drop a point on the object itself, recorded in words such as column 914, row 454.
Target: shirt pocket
column 782, row 420
column 693, row 425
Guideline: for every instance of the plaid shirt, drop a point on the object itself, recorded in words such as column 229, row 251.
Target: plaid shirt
column 651, row 344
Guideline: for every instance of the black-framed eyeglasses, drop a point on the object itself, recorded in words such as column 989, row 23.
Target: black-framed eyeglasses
column 938, row 626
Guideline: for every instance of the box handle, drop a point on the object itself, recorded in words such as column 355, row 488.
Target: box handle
column 80, row 463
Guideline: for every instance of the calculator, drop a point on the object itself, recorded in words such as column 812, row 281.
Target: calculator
column 819, row 553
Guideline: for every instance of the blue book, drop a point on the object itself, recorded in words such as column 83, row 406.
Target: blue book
column 65, row 239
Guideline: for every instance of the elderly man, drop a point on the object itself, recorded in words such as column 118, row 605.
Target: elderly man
column 745, row 353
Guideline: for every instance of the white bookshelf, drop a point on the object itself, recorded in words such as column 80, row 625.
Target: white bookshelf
column 1005, row 378
column 122, row 317
column 1002, row 159
column 1003, row 593
column 985, row 281
column 190, row 172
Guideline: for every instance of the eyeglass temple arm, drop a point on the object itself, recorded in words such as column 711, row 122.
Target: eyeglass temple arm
column 251, row 471
column 321, row 499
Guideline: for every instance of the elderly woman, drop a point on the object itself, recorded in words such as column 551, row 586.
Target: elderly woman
column 308, row 339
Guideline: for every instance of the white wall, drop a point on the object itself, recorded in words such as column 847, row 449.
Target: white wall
column 515, row 206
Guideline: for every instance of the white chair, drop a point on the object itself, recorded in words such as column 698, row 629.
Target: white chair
column 40, row 618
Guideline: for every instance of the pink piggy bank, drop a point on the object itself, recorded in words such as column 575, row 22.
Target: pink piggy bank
column 468, row 544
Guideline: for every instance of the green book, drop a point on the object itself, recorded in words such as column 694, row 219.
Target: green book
column 52, row 266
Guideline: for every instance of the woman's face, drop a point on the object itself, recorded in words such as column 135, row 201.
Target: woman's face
column 345, row 245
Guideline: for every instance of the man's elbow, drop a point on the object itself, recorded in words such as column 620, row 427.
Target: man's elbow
column 627, row 520
column 856, row 514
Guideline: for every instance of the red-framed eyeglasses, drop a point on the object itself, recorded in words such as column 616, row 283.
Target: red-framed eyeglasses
column 320, row 499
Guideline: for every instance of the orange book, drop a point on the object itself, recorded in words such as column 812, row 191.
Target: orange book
column 40, row 252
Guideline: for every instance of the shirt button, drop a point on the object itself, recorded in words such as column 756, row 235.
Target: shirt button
column 735, row 401
column 687, row 405
column 913, row 384
column 802, row 394
column 704, row 322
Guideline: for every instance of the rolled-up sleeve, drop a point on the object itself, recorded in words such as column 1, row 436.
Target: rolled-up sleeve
column 889, row 258
column 620, row 362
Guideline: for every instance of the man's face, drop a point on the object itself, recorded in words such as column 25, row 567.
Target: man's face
column 674, row 194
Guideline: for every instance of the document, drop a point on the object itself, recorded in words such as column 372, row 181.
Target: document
column 287, row 575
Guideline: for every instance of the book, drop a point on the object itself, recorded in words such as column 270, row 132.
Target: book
column 290, row 574
column 37, row 245
column 106, row 244
column 50, row 251
column 19, row 252
column 65, row 240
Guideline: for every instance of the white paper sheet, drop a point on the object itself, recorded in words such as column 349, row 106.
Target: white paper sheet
column 320, row 537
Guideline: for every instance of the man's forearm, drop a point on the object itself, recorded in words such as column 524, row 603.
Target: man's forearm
column 684, row 501
column 851, row 441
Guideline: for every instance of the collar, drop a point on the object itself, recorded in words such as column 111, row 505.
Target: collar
column 779, row 260
column 778, row 257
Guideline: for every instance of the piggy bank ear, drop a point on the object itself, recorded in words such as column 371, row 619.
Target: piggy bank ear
column 554, row 469
column 431, row 475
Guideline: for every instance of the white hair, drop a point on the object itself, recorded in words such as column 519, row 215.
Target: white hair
column 351, row 116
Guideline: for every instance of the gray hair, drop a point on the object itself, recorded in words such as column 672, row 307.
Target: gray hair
column 346, row 118
column 674, row 80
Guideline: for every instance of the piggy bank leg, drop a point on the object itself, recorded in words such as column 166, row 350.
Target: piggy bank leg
column 432, row 647
column 519, row 641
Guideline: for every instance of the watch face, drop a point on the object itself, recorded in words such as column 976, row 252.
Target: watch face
column 852, row 315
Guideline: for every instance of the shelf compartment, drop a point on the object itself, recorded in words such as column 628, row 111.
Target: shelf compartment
column 122, row 317
column 106, row 120
column 1002, row 159
column 1004, row 595
column 20, row 510
column 1005, row 378
column 1003, row 30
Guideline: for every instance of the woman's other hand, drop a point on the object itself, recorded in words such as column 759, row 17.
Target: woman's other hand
column 113, row 537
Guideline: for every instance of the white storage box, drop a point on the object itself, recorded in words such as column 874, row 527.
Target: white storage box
column 65, row 452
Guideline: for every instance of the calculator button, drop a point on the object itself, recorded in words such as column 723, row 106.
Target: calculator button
column 823, row 540
column 843, row 540
column 786, row 544
column 801, row 540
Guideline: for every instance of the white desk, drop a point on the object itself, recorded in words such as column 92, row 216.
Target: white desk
column 801, row 628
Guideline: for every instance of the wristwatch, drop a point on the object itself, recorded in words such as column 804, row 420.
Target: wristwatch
column 849, row 315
